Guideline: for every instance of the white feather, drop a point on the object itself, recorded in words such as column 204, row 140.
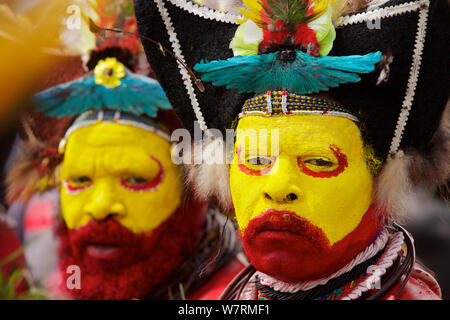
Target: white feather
column 211, row 180
column 393, row 187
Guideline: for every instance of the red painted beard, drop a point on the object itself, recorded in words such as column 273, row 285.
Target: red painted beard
column 118, row 264
column 289, row 248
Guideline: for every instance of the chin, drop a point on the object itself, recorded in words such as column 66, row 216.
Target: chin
column 118, row 264
column 289, row 248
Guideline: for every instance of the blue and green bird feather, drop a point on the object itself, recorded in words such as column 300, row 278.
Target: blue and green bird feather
column 136, row 94
column 304, row 75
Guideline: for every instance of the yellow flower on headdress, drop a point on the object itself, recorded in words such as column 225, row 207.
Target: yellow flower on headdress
column 108, row 72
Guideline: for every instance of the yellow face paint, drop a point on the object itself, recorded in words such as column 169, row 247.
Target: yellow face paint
column 319, row 171
column 119, row 170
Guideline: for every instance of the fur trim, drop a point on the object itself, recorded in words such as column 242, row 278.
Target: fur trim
column 409, row 172
column 210, row 180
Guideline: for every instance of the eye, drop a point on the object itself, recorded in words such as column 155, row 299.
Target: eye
column 322, row 167
column 259, row 161
column 80, row 180
column 319, row 162
column 135, row 181
column 77, row 184
column 257, row 166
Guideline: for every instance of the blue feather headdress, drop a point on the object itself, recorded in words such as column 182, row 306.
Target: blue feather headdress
column 110, row 87
column 304, row 75
column 283, row 45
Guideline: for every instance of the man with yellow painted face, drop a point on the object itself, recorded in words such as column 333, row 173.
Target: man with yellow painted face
column 312, row 203
column 317, row 206
column 121, row 201
column 129, row 229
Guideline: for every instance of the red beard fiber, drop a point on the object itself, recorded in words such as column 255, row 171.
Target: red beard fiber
column 289, row 248
column 142, row 261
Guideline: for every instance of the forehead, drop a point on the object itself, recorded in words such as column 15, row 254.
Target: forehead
column 297, row 131
column 115, row 135
column 113, row 147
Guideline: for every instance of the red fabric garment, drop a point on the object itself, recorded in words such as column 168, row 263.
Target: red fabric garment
column 421, row 286
column 218, row 282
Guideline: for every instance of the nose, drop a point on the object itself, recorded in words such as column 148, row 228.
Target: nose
column 103, row 203
column 280, row 198
column 283, row 186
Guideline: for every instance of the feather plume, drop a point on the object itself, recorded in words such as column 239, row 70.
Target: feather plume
column 23, row 179
column 136, row 94
column 252, row 13
column 432, row 169
column 353, row 6
column 35, row 168
column 305, row 74
column 290, row 12
column 338, row 9
column 210, row 181
column 289, row 22
column 393, row 187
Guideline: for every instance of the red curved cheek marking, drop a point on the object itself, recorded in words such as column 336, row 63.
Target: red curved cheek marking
column 149, row 186
column 342, row 164
column 73, row 190
column 252, row 172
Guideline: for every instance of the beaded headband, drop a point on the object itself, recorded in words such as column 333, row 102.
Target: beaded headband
column 283, row 102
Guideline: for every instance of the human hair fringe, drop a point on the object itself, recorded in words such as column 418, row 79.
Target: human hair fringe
column 410, row 172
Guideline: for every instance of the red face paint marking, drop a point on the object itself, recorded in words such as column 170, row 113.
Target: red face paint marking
column 253, row 172
column 72, row 189
column 342, row 164
column 149, row 186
